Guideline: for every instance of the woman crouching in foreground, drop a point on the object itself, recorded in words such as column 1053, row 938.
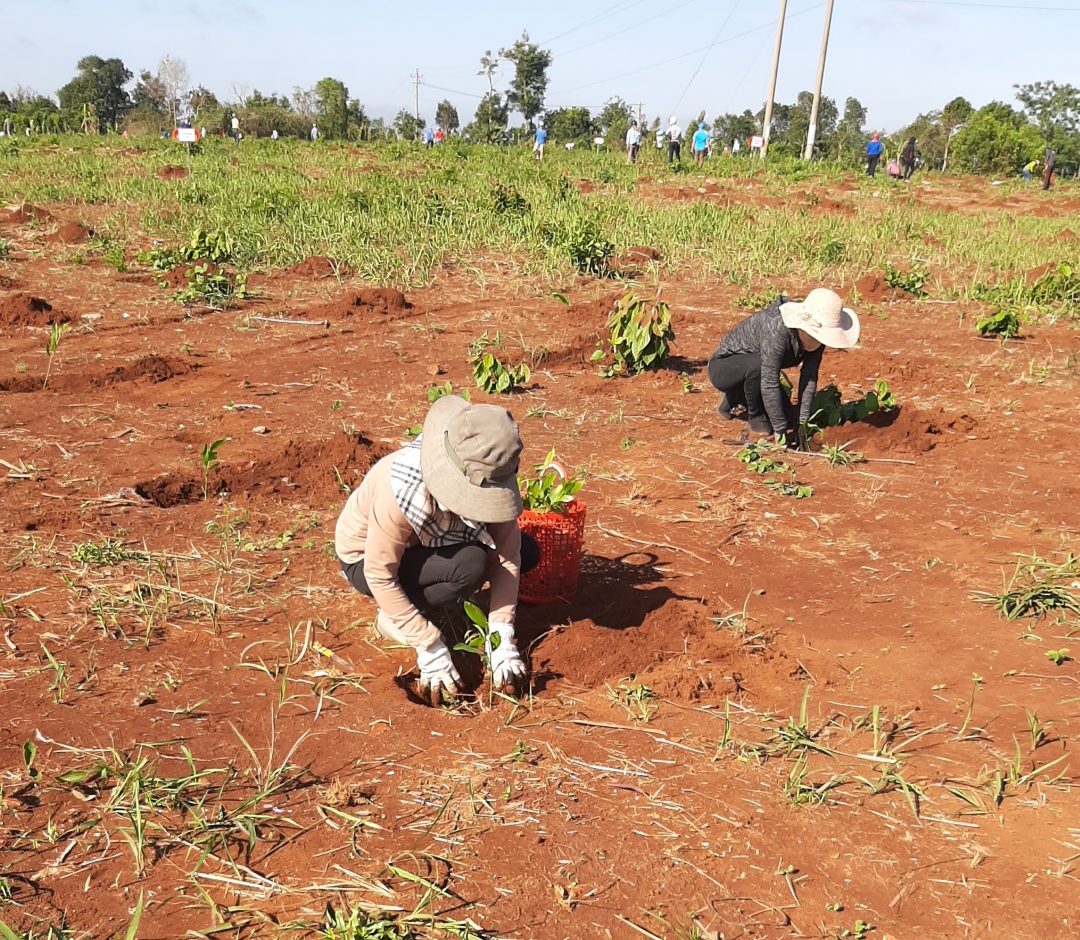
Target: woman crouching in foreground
column 746, row 366
column 429, row 525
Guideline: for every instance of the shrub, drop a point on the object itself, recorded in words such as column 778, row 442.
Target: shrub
column 640, row 334
column 589, row 250
column 829, row 411
column 1004, row 323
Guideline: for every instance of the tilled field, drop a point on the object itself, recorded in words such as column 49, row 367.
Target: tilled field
column 761, row 716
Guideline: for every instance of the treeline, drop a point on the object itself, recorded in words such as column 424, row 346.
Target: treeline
column 996, row 139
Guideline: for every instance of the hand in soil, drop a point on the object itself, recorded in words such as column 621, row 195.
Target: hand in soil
column 439, row 678
column 508, row 671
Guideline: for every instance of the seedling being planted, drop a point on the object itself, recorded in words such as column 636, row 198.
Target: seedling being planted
column 553, row 490
column 441, row 391
column 838, row 455
column 1057, row 657
column 641, row 335
column 52, row 344
column 209, row 460
column 1004, row 323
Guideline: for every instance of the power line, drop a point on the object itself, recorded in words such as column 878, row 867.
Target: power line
column 627, row 29
column 589, row 22
column 701, row 64
column 654, row 65
column 988, row 6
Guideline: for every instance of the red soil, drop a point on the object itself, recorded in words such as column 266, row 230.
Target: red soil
column 385, row 302
column 318, row 266
column 71, row 233
column 26, row 310
column 171, row 173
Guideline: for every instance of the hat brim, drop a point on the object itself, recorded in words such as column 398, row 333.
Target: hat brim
column 796, row 317
column 490, row 503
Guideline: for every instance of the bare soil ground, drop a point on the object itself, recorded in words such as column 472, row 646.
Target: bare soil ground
column 915, row 797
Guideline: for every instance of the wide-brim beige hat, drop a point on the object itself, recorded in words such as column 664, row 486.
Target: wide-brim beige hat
column 824, row 316
column 469, row 457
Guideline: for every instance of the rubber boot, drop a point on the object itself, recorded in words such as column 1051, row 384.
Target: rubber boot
column 761, row 426
column 725, row 406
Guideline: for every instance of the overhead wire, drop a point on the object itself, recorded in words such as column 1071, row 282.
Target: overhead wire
column 594, row 19
column 683, row 55
column 701, row 64
column 628, row 28
column 988, row 6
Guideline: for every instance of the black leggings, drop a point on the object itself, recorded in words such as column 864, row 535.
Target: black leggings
column 674, row 152
column 441, row 577
column 909, row 168
column 871, row 164
column 739, row 378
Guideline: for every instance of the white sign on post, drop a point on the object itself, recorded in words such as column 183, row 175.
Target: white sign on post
column 757, row 142
column 187, row 135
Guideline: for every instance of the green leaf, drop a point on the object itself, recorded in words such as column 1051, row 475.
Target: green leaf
column 133, row 927
column 476, row 615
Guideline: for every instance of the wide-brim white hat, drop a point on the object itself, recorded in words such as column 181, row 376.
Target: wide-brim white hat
column 824, row 316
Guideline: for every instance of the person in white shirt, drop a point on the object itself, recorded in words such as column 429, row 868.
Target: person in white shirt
column 314, row 132
column 633, row 142
column 235, row 129
column 674, row 136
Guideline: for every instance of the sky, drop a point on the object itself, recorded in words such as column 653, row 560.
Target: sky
column 898, row 57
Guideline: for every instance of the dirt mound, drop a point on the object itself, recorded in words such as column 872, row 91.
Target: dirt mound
column 170, row 173
column 1066, row 234
column 383, row 301
column 152, row 368
column 317, row 266
column 25, row 310
column 311, row 469
column 1035, row 273
column 654, row 647
column 178, row 278
column 636, row 258
column 28, row 213
column 578, row 350
column 595, row 311
column 872, row 289
column 905, row 430
column 71, row 233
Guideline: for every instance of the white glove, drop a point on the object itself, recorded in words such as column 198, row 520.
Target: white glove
column 438, row 677
column 507, row 666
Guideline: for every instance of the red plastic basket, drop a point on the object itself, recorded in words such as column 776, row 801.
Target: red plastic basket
column 561, row 537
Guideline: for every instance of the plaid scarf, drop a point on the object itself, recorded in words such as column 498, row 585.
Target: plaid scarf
column 433, row 525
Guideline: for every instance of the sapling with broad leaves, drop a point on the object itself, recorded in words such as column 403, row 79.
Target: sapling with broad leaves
column 641, row 335
column 552, row 490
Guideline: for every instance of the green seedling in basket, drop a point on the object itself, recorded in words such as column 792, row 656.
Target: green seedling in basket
column 552, row 490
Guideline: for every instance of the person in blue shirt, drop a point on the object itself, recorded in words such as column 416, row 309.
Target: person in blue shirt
column 700, row 144
column 874, row 150
column 429, row 138
column 538, row 145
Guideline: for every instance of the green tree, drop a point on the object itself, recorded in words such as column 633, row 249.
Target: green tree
column 1056, row 109
column 489, row 123
column 614, row 121
column 996, row 140
column 850, row 136
column 727, row 128
column 446, row 117
column 529, row 85
column 567, row 124
column 799, row 123
column 407, row 126
column 332, row 108
column 100, row 84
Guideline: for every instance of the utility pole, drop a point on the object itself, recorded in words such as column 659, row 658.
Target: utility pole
column 640, row 105
column 772, row 81
column 812, row 132
column 416, row 80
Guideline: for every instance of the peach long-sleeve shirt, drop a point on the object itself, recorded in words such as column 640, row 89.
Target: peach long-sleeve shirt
column 372, row 529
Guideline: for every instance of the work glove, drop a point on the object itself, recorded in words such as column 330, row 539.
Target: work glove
column 507, row 666
column 438, row 677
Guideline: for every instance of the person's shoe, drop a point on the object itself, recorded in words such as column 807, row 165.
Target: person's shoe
column 725, row 406
column 760, row 426
column 388, row 631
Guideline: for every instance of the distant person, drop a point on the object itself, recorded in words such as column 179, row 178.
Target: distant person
column 735, row 147
column 235, row 129
column 314, row 132
column 429, row 138
column 538, row 143
column 674, row 136
column 700, row 144
column 1048, row 168
column 274, row 134
column 907, row 159
column 659, row 138
column 633, row 142
column 874, row 150
column 202, row 133
column 894, row 169
column 439, row 135
column 1029, row 170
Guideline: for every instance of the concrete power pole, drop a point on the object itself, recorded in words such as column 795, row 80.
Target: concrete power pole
column 812, row 132
column 416, row 80
column 772, row 81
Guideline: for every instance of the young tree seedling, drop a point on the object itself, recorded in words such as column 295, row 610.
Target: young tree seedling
column 52, row 344
column 209, row 460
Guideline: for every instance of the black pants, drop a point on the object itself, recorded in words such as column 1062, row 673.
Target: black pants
column 674, row 152
column 739, row 378
column 871, row 164
column 909, row 168
column 441, row 577
column 1048, row 176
